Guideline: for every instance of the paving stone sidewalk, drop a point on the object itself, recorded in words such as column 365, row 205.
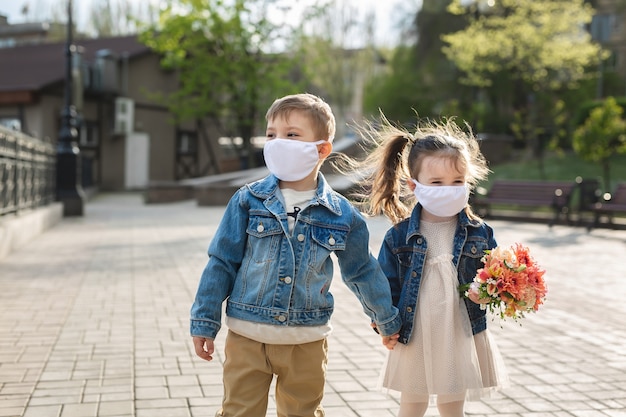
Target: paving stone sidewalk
column 94, row 322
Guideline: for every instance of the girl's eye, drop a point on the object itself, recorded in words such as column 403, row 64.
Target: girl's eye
column 291, row 135
column 271, row 135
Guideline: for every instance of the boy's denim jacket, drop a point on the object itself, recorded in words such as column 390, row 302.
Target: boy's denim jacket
column 402, row 259
column 273, row 277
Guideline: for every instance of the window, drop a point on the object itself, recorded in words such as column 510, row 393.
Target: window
column 603, row 26
column 186, row 142
column 89, row 135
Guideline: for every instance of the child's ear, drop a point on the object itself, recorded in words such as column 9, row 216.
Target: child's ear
column 325, row 149
column 410, row 183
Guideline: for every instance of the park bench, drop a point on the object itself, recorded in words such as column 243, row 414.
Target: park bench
column 610, row 204
column 554, row 195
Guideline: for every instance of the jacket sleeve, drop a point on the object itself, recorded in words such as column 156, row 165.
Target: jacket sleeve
column 225, row 256
column 388, row 264
column 362, row 274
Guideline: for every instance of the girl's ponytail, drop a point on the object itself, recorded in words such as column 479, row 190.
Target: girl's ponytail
column 389, row 169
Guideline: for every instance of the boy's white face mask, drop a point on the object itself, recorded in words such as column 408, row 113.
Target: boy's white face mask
column 442, row 201
column 290, row 159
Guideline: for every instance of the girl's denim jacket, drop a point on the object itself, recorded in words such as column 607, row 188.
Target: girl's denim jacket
column 269, row 275
column 402, row 257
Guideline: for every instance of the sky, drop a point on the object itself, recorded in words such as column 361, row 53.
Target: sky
column 389, row 13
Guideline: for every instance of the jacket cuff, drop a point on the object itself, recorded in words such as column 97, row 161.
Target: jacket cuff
column 390, row 327
column 204, row 328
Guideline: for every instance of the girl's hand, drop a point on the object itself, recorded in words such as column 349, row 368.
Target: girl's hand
column 473, row 294
column 391, row 341
column 204, row 347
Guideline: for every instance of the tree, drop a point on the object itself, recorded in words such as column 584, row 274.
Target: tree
column 419, row 78
column 521, row 52
column 333, row 62
column 602, row 136
column 219, row 50
column 120, row 17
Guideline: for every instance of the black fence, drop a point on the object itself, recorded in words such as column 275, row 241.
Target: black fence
column 27, row 172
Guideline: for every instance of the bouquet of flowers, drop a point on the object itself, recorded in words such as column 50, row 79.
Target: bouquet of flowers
column 510, row 282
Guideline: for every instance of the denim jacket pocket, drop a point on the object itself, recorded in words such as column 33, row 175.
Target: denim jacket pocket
column 405, row 258
column 264, row 235
column 329, row 238
column 471, row 256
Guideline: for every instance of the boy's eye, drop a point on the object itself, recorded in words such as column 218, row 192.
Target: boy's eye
column 271, row 135
column 291, row 134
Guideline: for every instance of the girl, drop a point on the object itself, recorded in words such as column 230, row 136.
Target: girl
column 444, row 348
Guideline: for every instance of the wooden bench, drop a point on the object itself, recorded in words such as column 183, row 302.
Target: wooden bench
column 554, row 195
column 610, row 204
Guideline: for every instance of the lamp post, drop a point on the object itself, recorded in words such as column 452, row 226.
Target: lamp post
column 69, row 189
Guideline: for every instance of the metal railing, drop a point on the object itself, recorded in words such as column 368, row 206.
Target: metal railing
column 27, row 172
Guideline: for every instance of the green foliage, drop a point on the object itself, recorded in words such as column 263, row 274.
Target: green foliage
column 219, row 50
column 542, row 43
column 396, row 92
column 330, row 59
column 602, row 135
column 587, row 107
column 525, row 54
column 420, row 79
column 563, row 167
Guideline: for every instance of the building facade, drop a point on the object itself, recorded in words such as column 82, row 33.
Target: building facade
column 127, row 139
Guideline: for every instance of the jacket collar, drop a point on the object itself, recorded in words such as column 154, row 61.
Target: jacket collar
column 266, row 189
column 414, row 222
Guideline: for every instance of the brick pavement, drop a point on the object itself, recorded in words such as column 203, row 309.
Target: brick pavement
column 94, row 322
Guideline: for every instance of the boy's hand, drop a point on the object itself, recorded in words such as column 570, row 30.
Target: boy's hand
column 391, row 341
column 204, row 347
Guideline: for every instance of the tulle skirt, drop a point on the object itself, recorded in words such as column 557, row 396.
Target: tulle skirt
column 442, row 357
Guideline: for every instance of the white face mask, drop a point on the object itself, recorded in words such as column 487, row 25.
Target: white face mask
column 290, row 159
column 442, row 201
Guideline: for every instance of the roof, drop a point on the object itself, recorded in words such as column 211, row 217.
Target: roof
column 33, row 67
column 21, row 28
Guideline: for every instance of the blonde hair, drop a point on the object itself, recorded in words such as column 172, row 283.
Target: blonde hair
column 395, row 155
column 316, row 109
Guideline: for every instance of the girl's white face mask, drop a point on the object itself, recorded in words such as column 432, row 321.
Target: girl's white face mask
column 442, row 201
column 290, row 159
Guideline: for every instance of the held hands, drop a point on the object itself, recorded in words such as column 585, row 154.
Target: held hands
column 204, row 347
column 388, row 341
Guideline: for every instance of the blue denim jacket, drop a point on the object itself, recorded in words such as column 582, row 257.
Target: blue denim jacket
column 271, row 276
column 402, row 257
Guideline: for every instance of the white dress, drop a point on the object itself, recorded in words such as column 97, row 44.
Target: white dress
column 442, row 357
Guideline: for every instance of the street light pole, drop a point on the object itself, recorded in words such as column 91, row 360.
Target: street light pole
column 68, row 185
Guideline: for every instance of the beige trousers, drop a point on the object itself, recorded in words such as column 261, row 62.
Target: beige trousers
column 250, row 366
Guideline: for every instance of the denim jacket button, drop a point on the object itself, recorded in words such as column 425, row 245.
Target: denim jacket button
column 419, row 240
column 287, row 280
column 474, row 250
column 300, row 237
column 409, row 309
column 282, row 318
column 260, row 228
column 413, row 274
column 331, row 240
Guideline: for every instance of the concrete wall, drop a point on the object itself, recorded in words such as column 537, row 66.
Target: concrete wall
column 17, row 230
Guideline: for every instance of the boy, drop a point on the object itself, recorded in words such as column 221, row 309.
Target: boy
column 270, row 259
